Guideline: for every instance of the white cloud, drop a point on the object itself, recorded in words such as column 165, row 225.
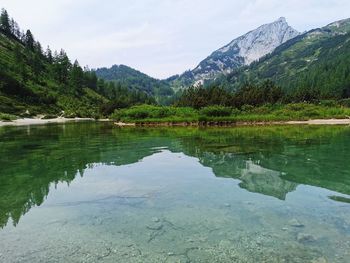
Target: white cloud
column 159, row 37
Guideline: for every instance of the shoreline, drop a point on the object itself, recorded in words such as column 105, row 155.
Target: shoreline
column 233, row 124
column 37, row 121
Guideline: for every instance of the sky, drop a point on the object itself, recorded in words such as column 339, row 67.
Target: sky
column 159, row 37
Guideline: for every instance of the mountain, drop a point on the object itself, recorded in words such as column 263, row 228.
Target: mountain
column 317, row 61
column 135, row 79
column 240, row 52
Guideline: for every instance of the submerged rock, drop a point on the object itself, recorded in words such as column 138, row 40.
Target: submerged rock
column 155, row 219
column 302, row 237
column 296, row 223
column 319, row 260
column 155, row 226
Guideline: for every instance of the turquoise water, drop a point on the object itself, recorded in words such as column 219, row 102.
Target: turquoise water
column 91, row 192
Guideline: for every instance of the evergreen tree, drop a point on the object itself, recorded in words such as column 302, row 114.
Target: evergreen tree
column 48, row 55
column 76, row 76
column 38, row 49
column 29, row 40
column 61, row 67
column 15, row 31
column 5, row 22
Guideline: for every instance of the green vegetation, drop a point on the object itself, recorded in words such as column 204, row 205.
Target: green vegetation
column 33, row 81
column 247, row 113
column 264, row 103
column 7, row 117
column 150, row 113
column 136, row 80
column 198, row 97
column 307, row 77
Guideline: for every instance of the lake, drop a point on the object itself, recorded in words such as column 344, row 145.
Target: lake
column 92, row 192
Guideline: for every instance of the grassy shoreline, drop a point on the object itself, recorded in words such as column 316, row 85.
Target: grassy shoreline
column 235, row 124
column 219, row 116
column 147, row 115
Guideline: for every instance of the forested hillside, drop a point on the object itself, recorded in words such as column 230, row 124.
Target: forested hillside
column 314, row 65
column 37, row 81
column 129, row 77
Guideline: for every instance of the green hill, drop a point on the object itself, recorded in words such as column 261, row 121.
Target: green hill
column 126, row 76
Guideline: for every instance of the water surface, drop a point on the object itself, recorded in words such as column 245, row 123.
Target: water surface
column 91, row 192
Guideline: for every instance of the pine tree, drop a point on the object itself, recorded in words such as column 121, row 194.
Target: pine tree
column 48, row 55
column 76, row 76
column 29, row 40
column 61, row 67
column 5, row 22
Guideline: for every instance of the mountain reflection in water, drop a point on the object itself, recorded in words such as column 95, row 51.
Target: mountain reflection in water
column 271, row 161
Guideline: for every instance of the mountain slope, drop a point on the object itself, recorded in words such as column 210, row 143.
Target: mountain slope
column 240, row 52
column 36, row 82
column 134, row 79
column 317, row 60
column 27, row 86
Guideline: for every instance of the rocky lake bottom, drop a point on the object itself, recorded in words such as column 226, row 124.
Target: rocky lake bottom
column 90, row 192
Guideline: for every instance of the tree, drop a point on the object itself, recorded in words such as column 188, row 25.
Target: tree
column 5, row 22
column 48, row 55
column 76, row 76
column 61, row 67
column 29, row 40
column 90, row 79
column 38, row 49
column 15, row 30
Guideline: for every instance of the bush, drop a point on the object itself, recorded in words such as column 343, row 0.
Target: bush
column 261, row 110
column 143, row 112
column 216, row 111
column 329, row 103
column 7, row 117
column 297, row 106
column 345, row 103
column 247, row 108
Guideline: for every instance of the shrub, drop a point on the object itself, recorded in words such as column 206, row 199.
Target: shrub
column 297, row 106
column 143, row 112
column 261, row 110
column 216, row 111
column 345, row 103
column 7, row 117
column 247, row 108
column 328, row 103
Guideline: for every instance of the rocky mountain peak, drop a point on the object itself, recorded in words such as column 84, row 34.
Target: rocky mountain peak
column 282, row 19
column 245, row 49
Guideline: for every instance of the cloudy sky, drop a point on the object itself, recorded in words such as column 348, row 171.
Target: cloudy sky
column 159, row 37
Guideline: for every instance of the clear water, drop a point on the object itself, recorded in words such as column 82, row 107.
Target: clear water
column 91, row 192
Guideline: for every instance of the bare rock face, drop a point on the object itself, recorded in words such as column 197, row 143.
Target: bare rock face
column 245, row 49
